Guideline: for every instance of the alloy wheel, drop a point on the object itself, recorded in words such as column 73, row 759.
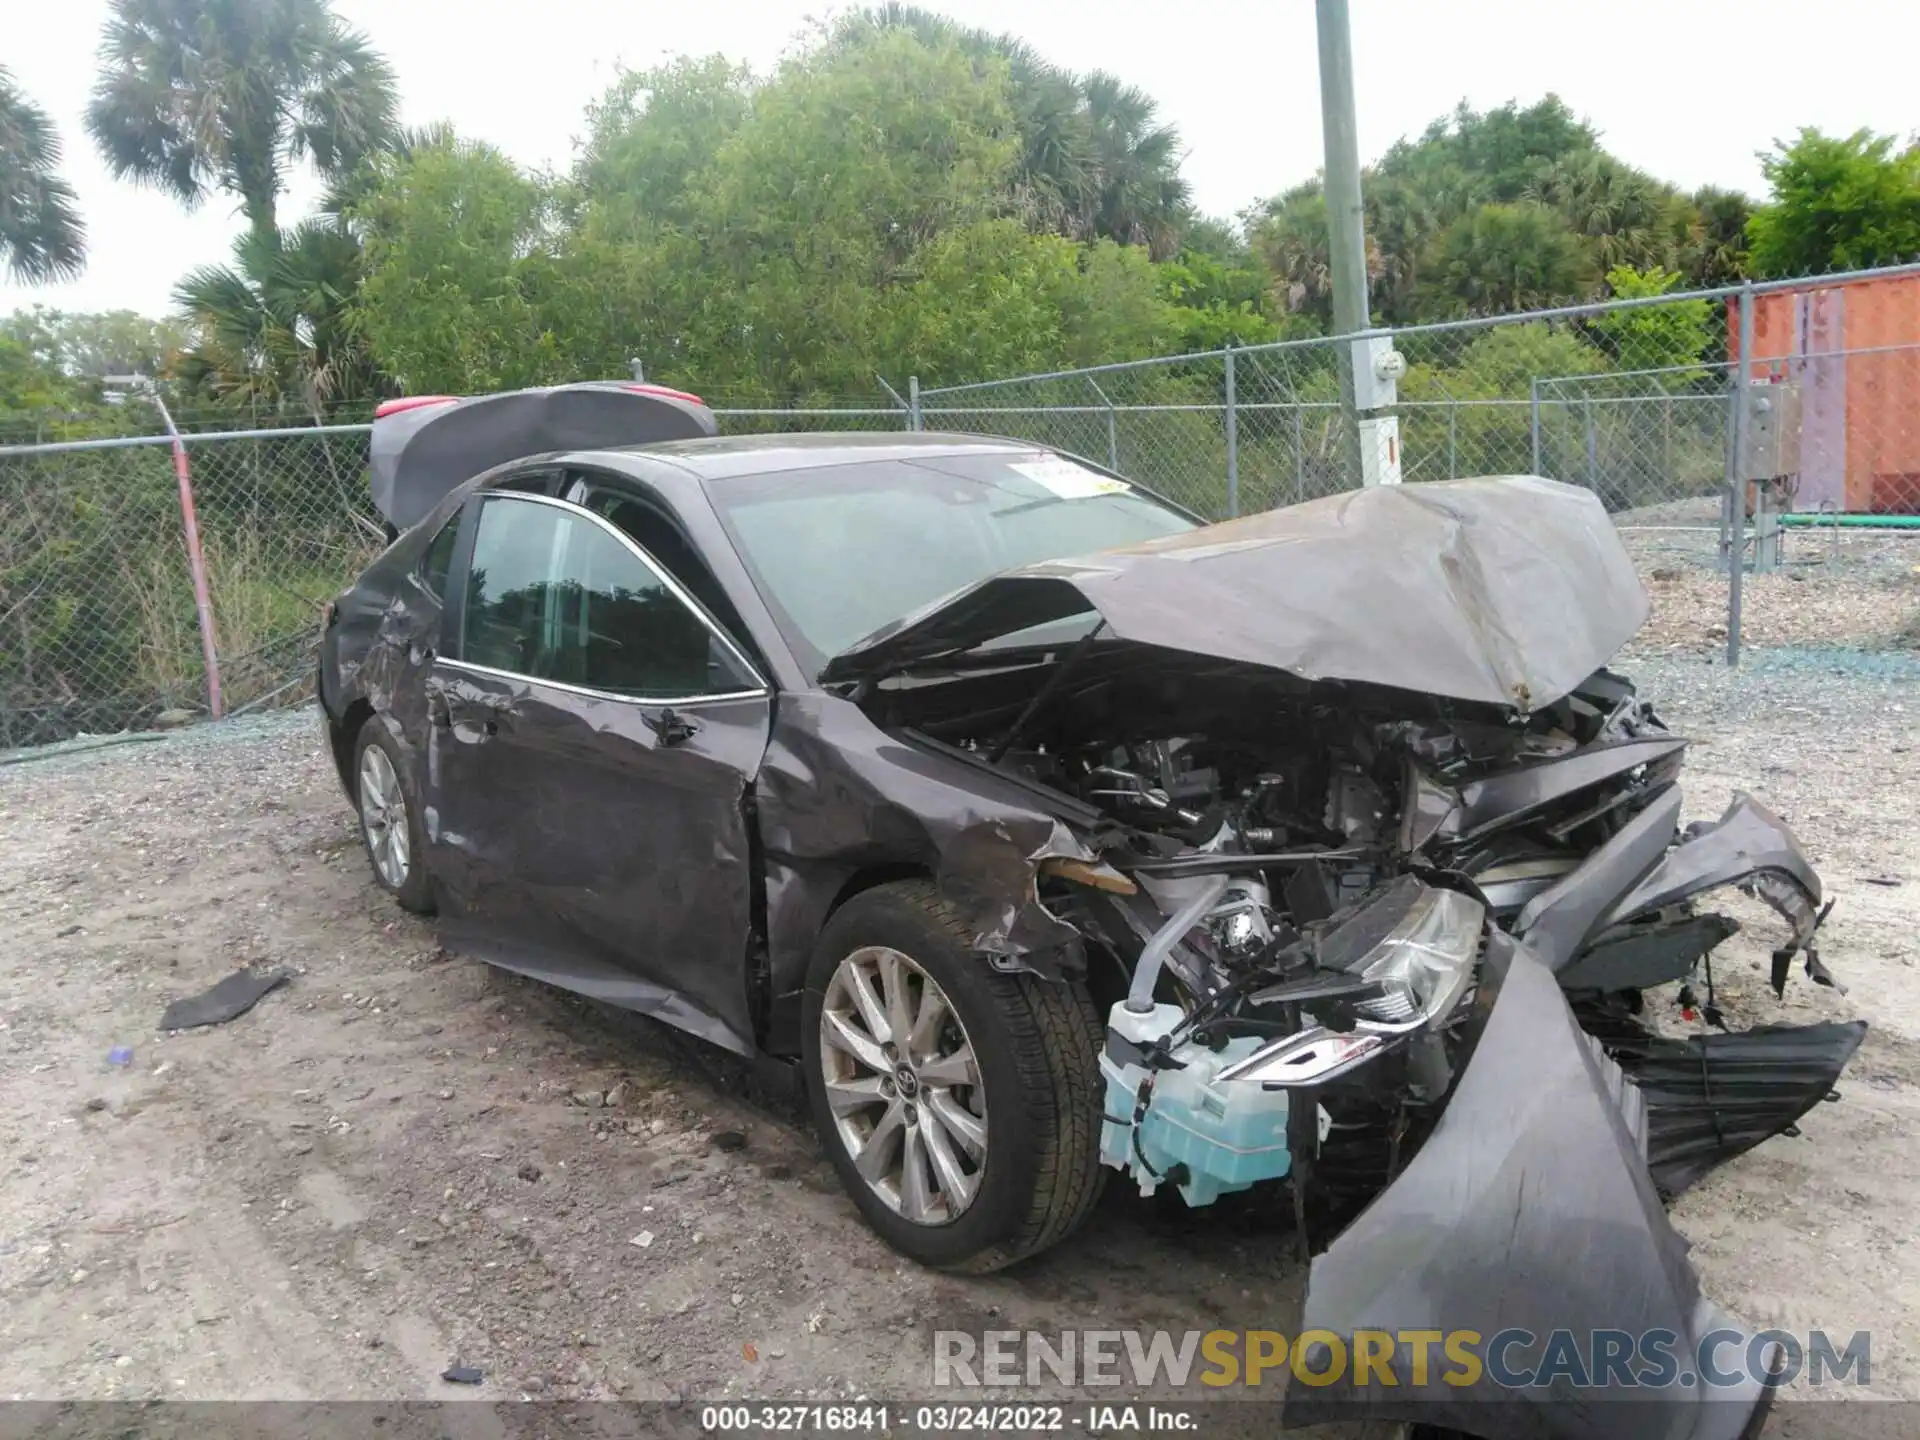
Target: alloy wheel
column 903, row 1085
column 383, row 815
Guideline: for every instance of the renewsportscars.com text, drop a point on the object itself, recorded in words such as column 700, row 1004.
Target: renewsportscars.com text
column 1511, row 1359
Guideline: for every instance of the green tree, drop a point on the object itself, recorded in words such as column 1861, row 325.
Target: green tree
column 655, row 130
column 202, row 95
column 1538, row 161
column 457, row 258
column 273, row 331
column 1473, row 157
column 1093, row 161
column 989, row 298
column 30, row 387
column 41, row 235
column 1052, row 185
column 115, row 342
column 1501, row 363
column 1837, row 203
column 1216, row 291
column 1670, row 338
column 1500, row 258
column 1504, row 361
column 1116, row 312
column 817, row 206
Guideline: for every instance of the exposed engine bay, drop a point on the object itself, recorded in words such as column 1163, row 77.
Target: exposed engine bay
column 1300, row 896
column 1380, row 863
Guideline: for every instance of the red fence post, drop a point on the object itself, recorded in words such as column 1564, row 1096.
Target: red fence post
column 202, row 599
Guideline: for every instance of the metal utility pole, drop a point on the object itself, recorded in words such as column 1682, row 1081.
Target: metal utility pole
column 1339, row 131
column 1366, row 371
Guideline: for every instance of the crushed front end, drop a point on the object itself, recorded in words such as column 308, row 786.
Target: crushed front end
column 1384, row 882
column 1395, row 954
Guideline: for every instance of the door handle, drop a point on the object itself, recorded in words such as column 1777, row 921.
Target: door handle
column 670, row 727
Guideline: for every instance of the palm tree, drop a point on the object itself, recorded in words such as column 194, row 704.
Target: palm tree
column 1402, row 216
column 41, row 237
column 272, row 330
column 1140, row 198
column 203, row 95
column 1626, row 215
column 1718, row 255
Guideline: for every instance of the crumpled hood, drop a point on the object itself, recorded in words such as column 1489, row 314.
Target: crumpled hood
column 1505, row 590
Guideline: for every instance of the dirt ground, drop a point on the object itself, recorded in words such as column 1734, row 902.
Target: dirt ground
column 401, row 1161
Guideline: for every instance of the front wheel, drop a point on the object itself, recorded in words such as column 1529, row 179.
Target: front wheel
column 960, row 1106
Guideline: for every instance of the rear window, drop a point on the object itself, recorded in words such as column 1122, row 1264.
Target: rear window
column 841, row 551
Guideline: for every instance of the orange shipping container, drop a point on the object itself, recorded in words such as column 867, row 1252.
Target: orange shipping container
column 1854, row 350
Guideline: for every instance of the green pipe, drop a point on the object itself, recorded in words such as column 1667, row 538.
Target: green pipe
column 1863, row 522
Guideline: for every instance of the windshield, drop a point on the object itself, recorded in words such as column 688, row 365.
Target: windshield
column 839, row 551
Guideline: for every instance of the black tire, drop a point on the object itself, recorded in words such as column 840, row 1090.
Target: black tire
column 1036, row 1046
column 415, row 891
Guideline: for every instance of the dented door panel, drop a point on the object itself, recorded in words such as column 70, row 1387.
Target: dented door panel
column 567, row 819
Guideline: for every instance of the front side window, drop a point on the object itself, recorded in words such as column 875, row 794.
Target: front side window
column 553, row 596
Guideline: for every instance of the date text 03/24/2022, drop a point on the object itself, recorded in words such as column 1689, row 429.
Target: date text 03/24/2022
column 944, row 1419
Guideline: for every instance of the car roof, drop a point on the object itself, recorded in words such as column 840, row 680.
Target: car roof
column 723, row 457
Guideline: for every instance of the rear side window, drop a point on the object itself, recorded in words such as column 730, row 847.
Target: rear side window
column 553, row 596
column 439, row 558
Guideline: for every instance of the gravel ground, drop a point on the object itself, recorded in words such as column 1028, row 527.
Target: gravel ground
column 1854, row 588
column 402, row 1160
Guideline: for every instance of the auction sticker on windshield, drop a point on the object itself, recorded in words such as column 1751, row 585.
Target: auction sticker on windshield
column 1068, row 480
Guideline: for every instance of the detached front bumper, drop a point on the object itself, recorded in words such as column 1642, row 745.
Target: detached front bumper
column 1620, row 920
column 1748, row 846
column 1529, row 1212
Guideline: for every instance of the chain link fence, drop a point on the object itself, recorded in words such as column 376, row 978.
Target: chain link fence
column 1804, row 461
column 98, row 624
column 1629, row 399
column 1644, row 402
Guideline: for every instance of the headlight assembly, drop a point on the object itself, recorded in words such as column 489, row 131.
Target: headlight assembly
column 1424, row 965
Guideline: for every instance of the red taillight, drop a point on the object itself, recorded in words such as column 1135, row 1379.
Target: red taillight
column 663, row 390
column 410, row 402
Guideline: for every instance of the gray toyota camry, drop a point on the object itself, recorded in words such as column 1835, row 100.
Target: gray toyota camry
column 1045, row 833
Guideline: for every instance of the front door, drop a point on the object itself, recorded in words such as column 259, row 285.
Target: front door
column 595, row 734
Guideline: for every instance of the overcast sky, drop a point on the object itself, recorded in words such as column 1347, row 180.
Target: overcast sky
column 1687, row 89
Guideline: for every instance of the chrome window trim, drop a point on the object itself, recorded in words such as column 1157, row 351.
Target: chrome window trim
column 674, row 587
column 682, row 701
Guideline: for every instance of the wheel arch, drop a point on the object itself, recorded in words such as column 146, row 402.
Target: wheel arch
column 782, row 1037
column 342, row 735
column 869, row 877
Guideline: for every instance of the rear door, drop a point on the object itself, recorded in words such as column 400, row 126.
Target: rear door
column 595, row 736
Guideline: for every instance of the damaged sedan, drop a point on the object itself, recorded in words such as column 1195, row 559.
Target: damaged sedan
column 1051, row 832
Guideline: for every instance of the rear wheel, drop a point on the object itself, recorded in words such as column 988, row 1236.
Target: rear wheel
column 960, row 1106
column 390, row 816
